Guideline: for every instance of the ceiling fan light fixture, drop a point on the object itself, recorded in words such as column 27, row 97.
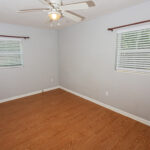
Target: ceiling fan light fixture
column 54, row 15
column 57, row 10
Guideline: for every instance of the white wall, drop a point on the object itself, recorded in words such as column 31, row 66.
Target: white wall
column 40, row 62
column 87, row 62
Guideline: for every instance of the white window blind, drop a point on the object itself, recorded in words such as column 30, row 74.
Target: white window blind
column 133, row 50
column 10, row 52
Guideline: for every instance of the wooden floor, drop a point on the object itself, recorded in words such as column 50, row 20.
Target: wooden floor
column 58, row 120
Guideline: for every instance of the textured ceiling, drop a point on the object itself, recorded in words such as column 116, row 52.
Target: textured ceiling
column 8, row 10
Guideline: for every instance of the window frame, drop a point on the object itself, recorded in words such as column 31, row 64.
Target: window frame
column 21, row 53
column 119, row 69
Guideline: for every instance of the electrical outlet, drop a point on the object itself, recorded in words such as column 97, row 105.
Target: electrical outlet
column 107, row 93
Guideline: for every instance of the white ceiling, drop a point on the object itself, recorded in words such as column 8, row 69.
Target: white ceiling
column 8, row 10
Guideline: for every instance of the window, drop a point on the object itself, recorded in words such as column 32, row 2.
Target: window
column 133, row 49
column 10, row 52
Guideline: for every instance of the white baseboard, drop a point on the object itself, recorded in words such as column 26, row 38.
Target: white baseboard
column 50, row 89
column 134, row 117
column 28, row 94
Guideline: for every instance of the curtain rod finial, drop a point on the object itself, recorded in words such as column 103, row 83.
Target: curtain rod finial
column 110, row 29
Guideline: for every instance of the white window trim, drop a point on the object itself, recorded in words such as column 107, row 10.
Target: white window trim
column 21, row 52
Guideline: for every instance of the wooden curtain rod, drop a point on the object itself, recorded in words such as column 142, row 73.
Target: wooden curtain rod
column 19, row 37
column 111, row 29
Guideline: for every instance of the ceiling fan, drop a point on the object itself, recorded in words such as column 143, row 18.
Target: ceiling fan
column 57, row 10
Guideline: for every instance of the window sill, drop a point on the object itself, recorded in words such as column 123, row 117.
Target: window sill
column 143, row 72
column 12, row 67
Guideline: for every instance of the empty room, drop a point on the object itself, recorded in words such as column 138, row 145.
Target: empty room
column 74, row 74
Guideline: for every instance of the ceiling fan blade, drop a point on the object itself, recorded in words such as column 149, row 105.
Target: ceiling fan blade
column 78, row 6
column 73, row 16
column 32, row 10
column 46, row 2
